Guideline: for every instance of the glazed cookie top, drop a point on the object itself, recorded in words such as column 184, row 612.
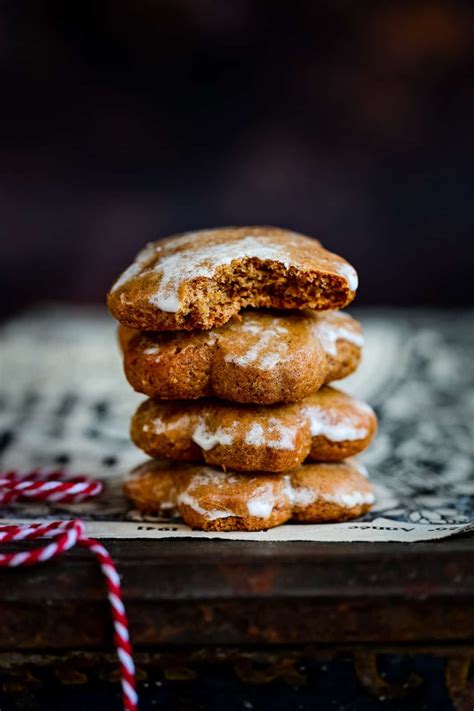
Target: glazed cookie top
column 328, row 425
column 260, row 357
column 201, row 279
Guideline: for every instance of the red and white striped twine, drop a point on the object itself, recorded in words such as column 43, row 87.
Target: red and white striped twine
column 65, row 535
column 51, row 486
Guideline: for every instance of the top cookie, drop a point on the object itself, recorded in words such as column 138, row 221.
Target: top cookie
column 198, row 280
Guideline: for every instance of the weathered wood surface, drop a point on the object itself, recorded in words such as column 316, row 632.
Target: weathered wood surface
column 182, row 592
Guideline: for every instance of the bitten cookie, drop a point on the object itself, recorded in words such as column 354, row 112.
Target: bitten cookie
column 198, row 280
column 328, row 425
column 263, row 357
column 213, row 500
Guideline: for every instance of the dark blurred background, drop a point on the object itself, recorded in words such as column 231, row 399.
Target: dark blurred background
column 126, row 120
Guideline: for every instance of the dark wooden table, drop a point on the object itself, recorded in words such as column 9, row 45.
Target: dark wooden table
column 258, row 609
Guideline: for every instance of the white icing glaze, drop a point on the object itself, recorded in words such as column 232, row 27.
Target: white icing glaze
column 202, row 261
column 262, row 502
column 216, row 477
column 283, row 437
column 269, row 361
column 329, row 333
column 321, row 423
column 349, row 499
column 211, row 514
column 349, row 273
column 207, row 476
column 255, row 436
column 249, row 326
column 158, row 426
column 276, row 435
column 268, row 338
column 206, row 439
column 152, row 350
column 298, row 495
column 304, row 496
column 363, row 407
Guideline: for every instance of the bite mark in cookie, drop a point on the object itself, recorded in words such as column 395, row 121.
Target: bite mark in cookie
column 201, row 279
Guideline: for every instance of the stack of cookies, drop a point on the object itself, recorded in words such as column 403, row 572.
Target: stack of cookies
column 234, row 334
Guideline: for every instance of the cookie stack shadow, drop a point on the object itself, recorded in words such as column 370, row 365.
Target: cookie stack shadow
column 234, row 335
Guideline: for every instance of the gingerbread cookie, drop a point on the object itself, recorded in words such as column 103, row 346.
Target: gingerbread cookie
column 199, row 280
column 328, row 425
column 153, row 488
column 263, row 357
column 213, row 500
